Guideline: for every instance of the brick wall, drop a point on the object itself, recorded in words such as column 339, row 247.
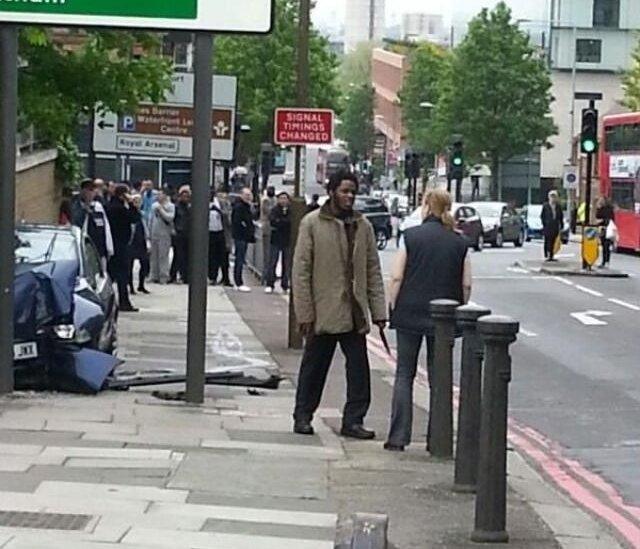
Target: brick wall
column 37, row 194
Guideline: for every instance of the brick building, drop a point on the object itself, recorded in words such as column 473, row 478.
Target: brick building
column 388, row 71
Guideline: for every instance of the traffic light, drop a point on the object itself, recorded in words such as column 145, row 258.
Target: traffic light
column 589, row 135
column 456, row 167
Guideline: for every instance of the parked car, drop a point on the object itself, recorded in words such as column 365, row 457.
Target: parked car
column 467, row 222
column 378, row 214
column 533, row 224
column 65, row 302
column 501, row 223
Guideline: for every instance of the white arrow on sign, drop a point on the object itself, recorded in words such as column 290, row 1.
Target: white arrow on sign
column 591, row 318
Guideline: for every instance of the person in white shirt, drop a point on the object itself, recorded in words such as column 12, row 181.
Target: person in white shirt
column 219, row 224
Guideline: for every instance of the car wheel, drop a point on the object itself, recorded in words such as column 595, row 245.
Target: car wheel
column 499, row 241
column 519, row 242
column 479, row 243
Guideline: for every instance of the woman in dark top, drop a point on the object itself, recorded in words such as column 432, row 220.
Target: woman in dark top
column 433, row 265
column 605, row 215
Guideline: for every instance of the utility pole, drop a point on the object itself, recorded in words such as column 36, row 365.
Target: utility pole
column 198, row 231
column 8, row 128
column 298, row 204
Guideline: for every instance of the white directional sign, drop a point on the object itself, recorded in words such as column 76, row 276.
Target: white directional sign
column 166, row 130
column 246, row 16
column 592, row 318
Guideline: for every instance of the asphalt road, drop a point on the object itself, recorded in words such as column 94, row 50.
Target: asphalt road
column 576, row 378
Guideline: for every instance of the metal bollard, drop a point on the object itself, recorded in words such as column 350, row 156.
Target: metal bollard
column 497, row 332
column 466, row 468
column 440, row 435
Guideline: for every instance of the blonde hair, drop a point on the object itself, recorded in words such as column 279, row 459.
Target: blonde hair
column 438, row 203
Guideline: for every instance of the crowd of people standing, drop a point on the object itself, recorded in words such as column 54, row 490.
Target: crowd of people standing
column 141, row 224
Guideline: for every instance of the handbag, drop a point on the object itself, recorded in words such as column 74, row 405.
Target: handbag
column 557, row 245
column 611, row 232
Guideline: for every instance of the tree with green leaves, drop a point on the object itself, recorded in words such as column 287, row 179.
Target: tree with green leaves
column 631, row 83
column 356, row 122
column 355, row 69
column 59, row 85
column 497, row 95
column 266, row 71
column 421, row 93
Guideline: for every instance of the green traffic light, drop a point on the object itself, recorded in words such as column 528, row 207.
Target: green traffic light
column 457, row 161
column 588, row 146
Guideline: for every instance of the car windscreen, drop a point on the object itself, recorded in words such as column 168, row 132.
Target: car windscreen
column 43, row 246
column 488, row 209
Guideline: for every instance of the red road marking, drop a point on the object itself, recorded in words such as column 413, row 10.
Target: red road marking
column 547, row 455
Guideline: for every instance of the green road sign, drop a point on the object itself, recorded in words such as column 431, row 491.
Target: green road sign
column 181, row 9
column 247, row 16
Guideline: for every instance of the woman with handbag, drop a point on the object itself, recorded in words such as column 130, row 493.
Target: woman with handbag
column 608, row 230
column 433, row 265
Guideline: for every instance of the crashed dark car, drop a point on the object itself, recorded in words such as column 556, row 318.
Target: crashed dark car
column 65, row 312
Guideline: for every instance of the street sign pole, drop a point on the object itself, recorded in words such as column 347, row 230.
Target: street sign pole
column 8, row 128
column 199, row 231
column 298, row 204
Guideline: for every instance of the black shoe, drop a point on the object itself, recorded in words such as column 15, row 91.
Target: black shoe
column 303, row 428
column 132, row 291
column 143, row 290
column 128, row 308
column 227, row 284
column 357, row 431
column 393, row 447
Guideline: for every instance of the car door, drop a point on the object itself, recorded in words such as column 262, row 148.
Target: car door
column 507, row 224
column 473, row 223
column 95, row 276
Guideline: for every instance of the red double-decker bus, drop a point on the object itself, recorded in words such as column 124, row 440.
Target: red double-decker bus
column 619, row 171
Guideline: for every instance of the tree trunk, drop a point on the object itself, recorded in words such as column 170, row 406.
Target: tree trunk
column 496, row 174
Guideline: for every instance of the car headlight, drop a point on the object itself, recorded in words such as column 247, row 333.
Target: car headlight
column 64, row 331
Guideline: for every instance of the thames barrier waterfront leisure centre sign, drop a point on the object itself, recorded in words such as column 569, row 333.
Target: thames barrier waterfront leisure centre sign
column 246, row 16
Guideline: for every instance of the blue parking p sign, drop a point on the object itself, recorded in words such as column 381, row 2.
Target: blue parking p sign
column 128, row 123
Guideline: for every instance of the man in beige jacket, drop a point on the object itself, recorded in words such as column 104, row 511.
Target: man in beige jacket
column 337, row 285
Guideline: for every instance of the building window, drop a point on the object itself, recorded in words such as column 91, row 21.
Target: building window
column 588, row 51
column 606, row 13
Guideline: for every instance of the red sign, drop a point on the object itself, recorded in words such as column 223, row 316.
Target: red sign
column 303, row 127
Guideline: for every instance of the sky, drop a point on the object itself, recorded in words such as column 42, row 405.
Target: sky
column 327, row 11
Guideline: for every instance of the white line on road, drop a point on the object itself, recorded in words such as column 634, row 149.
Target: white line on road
column 624, row 304
column 563, row 280
column 517, row 270
column 588, row 291
column 527, row 333
column 590, row 318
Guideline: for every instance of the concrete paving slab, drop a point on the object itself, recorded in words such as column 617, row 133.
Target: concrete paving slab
column 249, row 475
column 97, row 452
column 90, row 463
column 272, row 530
column 108, row 492
column 248, row 514
column 286, row 450
column 206, row 540
column 87, row 502
column 273, row 437
column 19, row 450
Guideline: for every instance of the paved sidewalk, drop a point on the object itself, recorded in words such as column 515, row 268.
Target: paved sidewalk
column 125, row 469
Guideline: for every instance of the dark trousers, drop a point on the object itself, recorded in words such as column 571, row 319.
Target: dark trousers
column 549, row 243
column 241, row 256
column 274, row 256
column 409, row 346
column 180, row 263
column 606, row 250
column 218, row 255
column 318, row 354
column 145, row 267
column 119, row 270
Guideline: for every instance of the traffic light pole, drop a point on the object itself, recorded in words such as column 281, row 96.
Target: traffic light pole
column 587, row 193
